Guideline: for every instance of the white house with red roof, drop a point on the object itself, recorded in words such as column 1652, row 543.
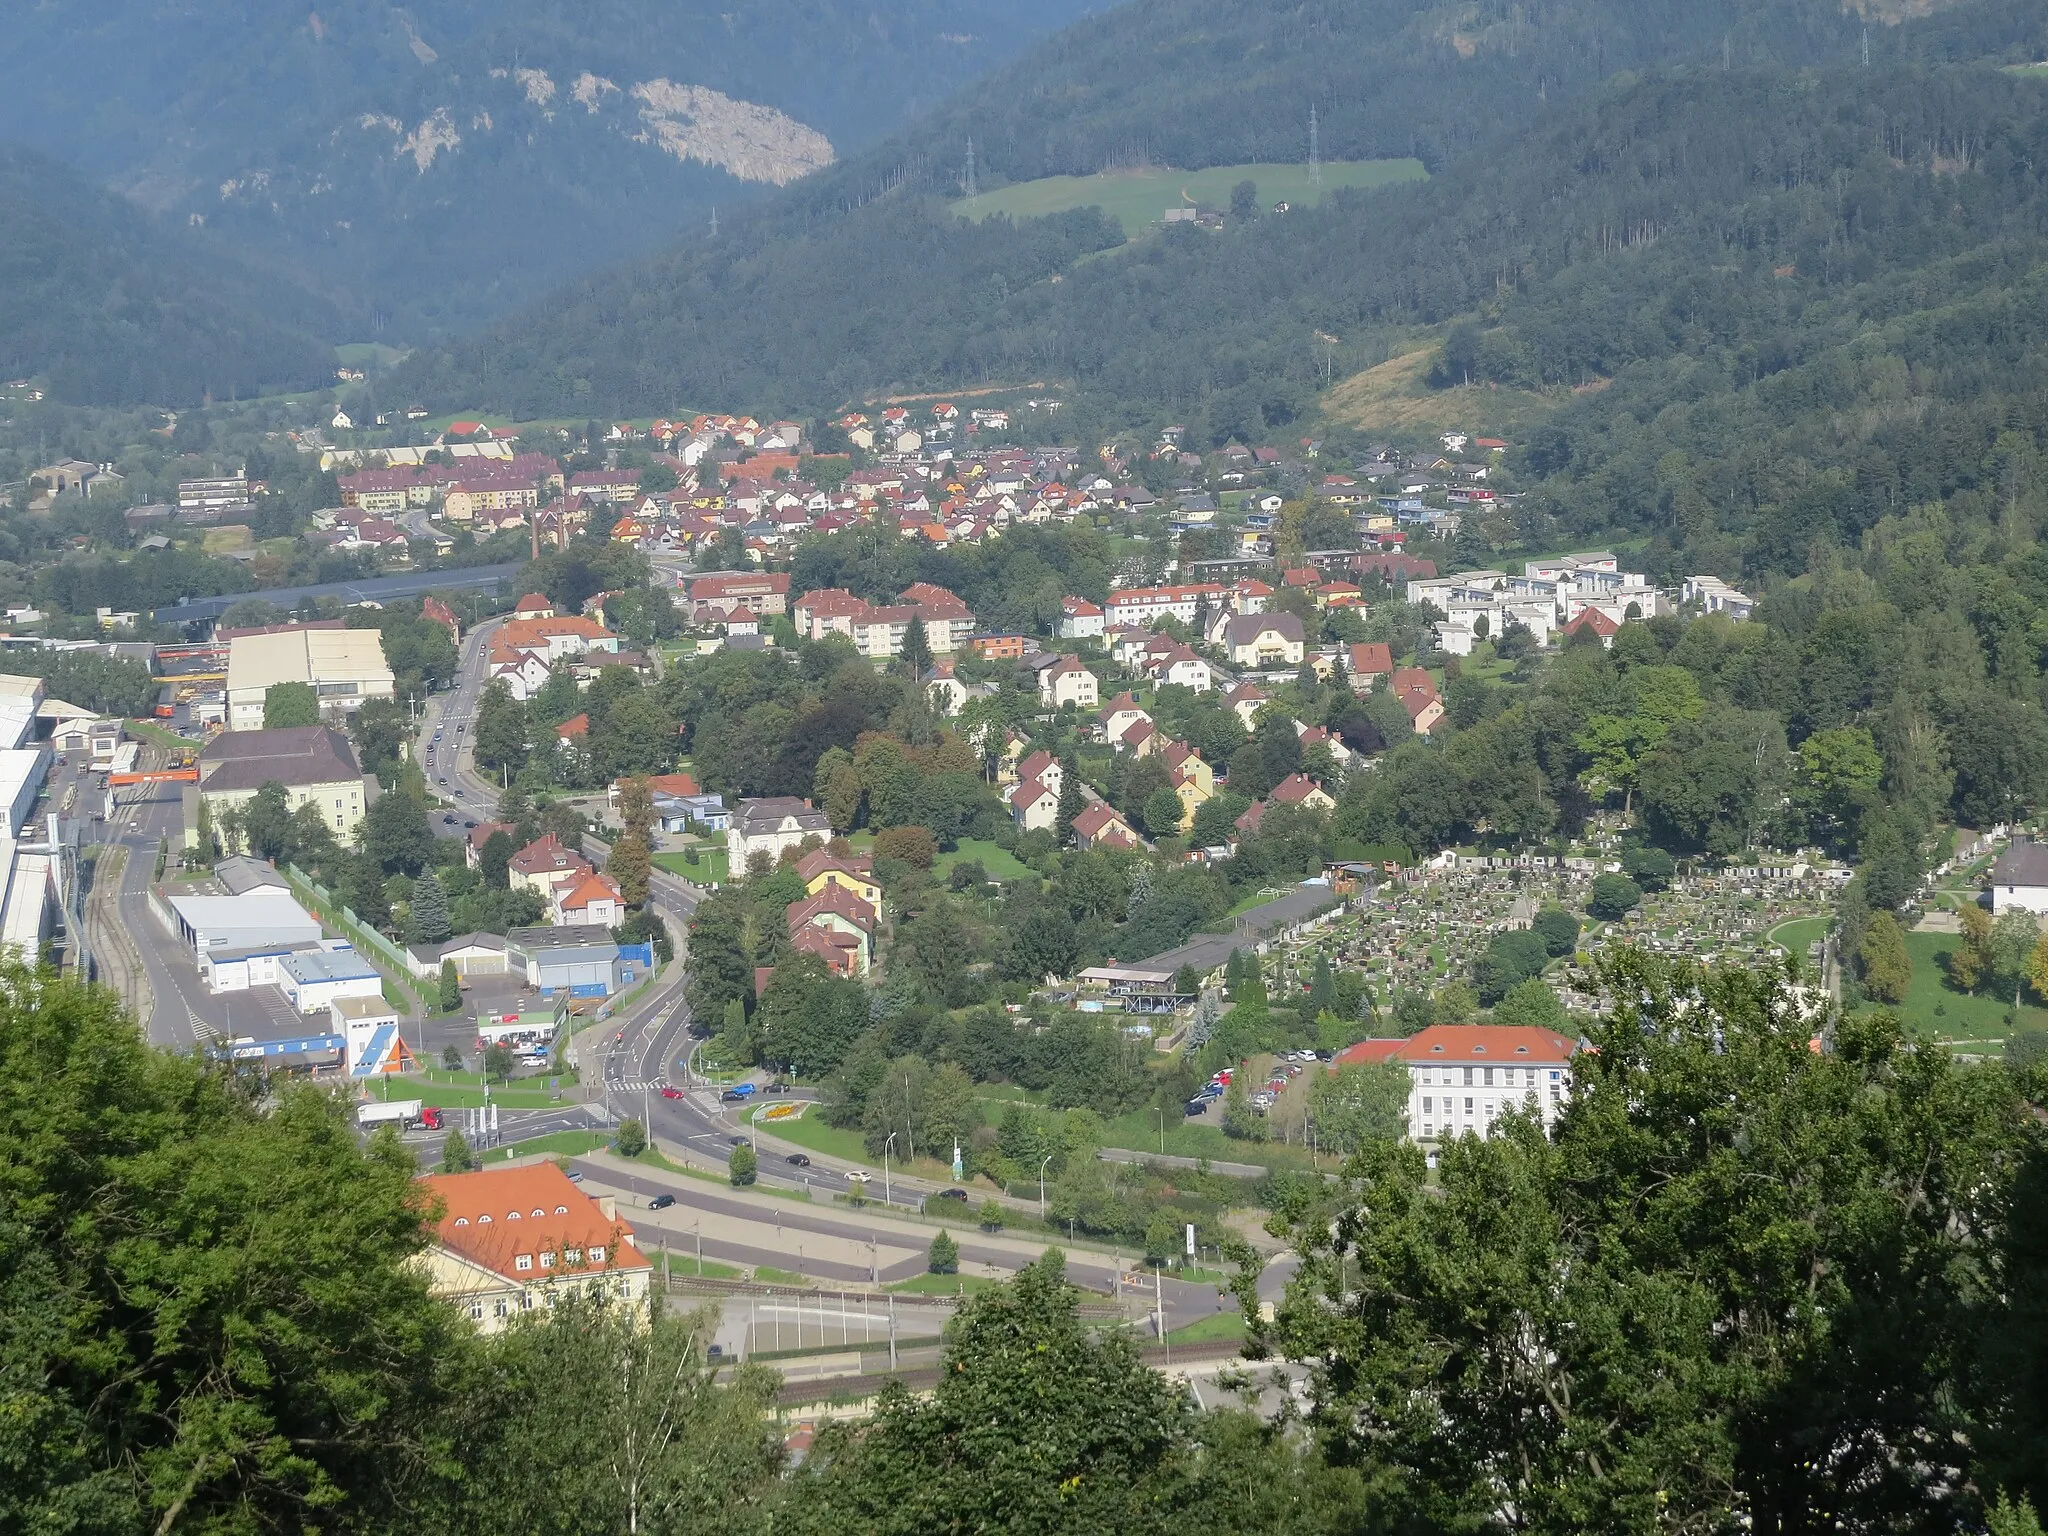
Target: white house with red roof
column 1080, row 619
column 510, row 1241
column 1034, row 805
column 592, row 900
column 1464, row 1077
column 1099, row 826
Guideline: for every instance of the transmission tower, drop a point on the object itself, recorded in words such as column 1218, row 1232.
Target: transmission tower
column 971, row 189
column 1315, row 151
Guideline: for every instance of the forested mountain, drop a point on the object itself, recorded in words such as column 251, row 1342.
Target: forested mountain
column 1568, row 192
column 431, row 163
column 108, row 305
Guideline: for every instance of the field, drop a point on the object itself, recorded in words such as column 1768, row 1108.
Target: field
column 942, row 1285
column 564, row 1143
column 1935, row 1008
column 1220, row 1328
column 1140, row 199
column 1396, row 397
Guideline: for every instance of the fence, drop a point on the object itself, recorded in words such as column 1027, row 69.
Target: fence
column 322, row 904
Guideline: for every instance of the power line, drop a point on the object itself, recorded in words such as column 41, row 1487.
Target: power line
column 1315, row 152
column 971, row 188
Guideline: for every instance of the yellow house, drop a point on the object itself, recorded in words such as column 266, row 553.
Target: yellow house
column 1192, row 779
column 853, row 874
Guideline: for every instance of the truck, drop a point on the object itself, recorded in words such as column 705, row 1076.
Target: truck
column 403, row 1113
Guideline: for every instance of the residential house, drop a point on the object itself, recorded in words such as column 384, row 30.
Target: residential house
column 1034, row 805
column 1247, row 699
column 1080, row 619
column 478, row 835
column 851, row 872
column 840, row 914
column 1119, row 715
column 592, row 901
column 1464, row 1077
column 1713, row 595
column 1371, row 665
column 315, row 764
column 1067, row 682
column 544, row 864
column 1265, row 640
column 1177, row 665
column 1099, row 826
column 2019, row 880
column 770, row 825
column 1299, row 789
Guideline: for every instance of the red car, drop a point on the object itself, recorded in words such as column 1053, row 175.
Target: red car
column 668, row 1091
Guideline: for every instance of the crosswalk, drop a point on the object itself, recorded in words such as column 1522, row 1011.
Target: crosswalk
column 637, row 1084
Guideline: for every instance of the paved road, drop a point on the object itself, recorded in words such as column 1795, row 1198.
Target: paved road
column 443, row 746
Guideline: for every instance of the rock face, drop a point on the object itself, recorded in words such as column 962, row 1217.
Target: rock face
column 433, row 162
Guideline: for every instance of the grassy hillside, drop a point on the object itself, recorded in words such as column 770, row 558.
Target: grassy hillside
column 1139, row 199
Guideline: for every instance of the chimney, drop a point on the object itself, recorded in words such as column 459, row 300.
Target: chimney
column 609, row 1206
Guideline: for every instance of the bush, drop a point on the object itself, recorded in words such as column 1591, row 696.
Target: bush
column 742, row 1167
column 632, row 1138
column 993, row 1217
column 915, row 846
column 944, row 1258
column 1613, row 897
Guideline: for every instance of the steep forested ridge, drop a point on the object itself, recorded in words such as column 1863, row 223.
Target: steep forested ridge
column 109, row 305
column 430, row 164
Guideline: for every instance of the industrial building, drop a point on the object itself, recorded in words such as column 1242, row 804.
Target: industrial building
column 256, row 921
column 313, row 979
column 344, row 667
column 582, row 961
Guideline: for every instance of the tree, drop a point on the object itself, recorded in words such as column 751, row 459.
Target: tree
column 632, row 866
column 1762, row 1257
column 499, row 1062
column 430, row 923
column 1650, row 868
column 451, row 992
column 1887, row 968
column 1613, row 897
column 917, row 650
column 1071, row 802
column 2013, row 937
column 742, row 1167
column 286, row 705
column 1163, row 811
column 993, row 1217
column 267, row 821
column 1531, row 1002
column 499, row 740
column 456, row 1156
column 1244, row 202
column 494, row 859
column 138, row 1183
column 1367, row 1101
column 721, row 964
column 451, row 1058
column 1558, row 929
column 943, row 1258
column 604, row 1417
column 632, row 1138
column 396, row 834
column 1971, row 965
column 915, row 846
column 1510, row 958
column 1038, row 1423
column 1240, row 1121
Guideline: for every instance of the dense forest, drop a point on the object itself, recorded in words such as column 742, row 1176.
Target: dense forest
column 106, row 304
column 1548, row 150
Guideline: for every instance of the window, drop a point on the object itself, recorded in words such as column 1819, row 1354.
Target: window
column 526, row 1303
column 572, row 1256
column 511, row 1215
column 462, row 1221
column 523, row 1263
column 1489, row 1077
column 502, row 1307
column 597, row 1255
column 1468, row 1109
column 476, row 1310
column 483, row 1221
column 1428, row 1106
column 1468, row 1080
column 560, row 1210
column 547, row 1261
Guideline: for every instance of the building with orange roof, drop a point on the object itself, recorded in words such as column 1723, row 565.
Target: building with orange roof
column 509, row 1241
column 533, row 606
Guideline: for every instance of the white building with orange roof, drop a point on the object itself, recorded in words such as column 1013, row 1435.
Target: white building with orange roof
column 510, row 1241
column 1464, row 1077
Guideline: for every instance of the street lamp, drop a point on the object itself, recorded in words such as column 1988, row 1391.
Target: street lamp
column 1041, row 1186
column 886, row 1199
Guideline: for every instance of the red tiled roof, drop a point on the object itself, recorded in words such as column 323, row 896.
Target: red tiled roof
column 494, row 1216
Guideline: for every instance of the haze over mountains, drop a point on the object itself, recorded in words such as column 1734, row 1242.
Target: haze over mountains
column 422, row 167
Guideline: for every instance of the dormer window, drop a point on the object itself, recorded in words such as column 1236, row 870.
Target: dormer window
column 511, row 1215
column 483, row 1221
column 547, row 1261
column 462, row 1221
column 538, row 1212
column 523, row 1263
column 597, row 1254
column 572, row 1256
column 560, row 1210
column 1521, row 1050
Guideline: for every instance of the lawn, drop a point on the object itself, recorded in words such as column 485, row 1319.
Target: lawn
column 1797, row 936
column 1138, row 1132
column 1140, row 199
column 1000, row 863
column 563, row 1143
column 814, row 1135
column 707, row 1269
column 709, row 868
column 1210, row 1330
column 943, row 1285
column 1934, row 1007
column 446, row 1095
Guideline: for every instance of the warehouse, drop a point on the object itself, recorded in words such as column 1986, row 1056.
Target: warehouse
column 582, row 961
column 312, row 979
column 257, row 920
column 344, row 667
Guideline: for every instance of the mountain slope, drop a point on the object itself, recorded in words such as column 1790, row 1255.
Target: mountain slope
column 1182, row 82
column 107, row 305
column 431, row 163
column 802, row 305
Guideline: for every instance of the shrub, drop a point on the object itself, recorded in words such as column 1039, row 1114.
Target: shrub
column 742, row 1167
column 944, row 1258
column 632, row 1139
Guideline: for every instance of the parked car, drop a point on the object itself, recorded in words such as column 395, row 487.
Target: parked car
column 799, row 1160
column 661, row 1202
column 1196, row 1106
column 575, row 1177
